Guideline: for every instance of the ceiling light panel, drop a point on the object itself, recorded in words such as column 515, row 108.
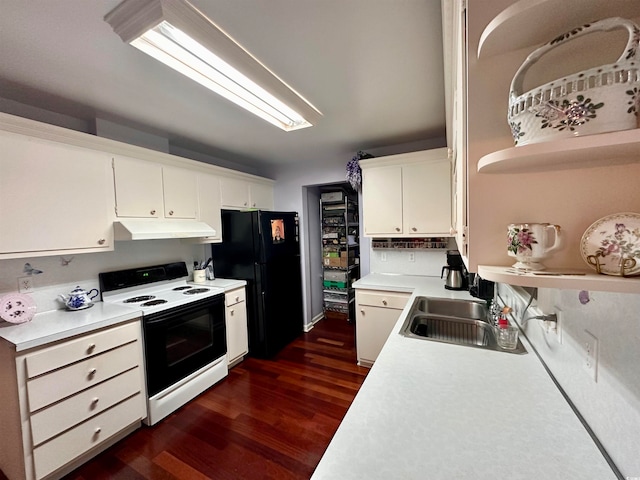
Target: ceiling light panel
column 175, row 33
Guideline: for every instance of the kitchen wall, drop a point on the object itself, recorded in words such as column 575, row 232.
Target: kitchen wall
column 426, row 262
column 611, row 403
column 60, row 274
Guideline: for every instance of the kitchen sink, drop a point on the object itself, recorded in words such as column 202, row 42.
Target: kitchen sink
column 460, row 322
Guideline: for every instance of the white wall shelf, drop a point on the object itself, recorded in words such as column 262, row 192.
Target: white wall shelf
column 589, row 281
column 604, row 149
column 530, row 23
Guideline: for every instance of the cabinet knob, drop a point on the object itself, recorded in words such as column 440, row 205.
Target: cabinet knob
column 101, row 241
column 397, row 229
column 237, row 299
column 414, row 229
column 170, row 212
column 384, row 302
column 94, row 402
column 231, row 312
column 152, row 212
column 452, row 231
column 97, row 430
column 245, row 204
column 91, row 347
column 92, row 372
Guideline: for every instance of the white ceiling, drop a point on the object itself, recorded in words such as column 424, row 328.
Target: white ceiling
column 372, row 67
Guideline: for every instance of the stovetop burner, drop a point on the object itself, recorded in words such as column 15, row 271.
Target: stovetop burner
column 195, row 291
column 185, row 287
column 141, row 298
column 151, row 303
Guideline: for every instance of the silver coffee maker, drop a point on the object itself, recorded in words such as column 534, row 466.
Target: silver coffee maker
column 457, row 278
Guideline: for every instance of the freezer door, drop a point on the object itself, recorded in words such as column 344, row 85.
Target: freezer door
column 279, row 235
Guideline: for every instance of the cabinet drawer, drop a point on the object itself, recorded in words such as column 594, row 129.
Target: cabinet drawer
column 73, row 443
column 234, row 296
column 382, row 299
column 57, row 356
column 63, row 415
column 54, row 386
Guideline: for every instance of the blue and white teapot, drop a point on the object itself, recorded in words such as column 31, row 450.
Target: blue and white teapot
column 79, row 298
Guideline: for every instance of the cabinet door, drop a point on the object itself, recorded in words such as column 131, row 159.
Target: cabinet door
column 261, row 196
column 382, row 200
column 138, row 188
column 373, row 326
column 180, row 193
column 426, row 197
column 237, row 335
column 209, row 203
column 234, row 193
column 53, row 196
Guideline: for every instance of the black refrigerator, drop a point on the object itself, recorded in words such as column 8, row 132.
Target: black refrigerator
column 263, row 248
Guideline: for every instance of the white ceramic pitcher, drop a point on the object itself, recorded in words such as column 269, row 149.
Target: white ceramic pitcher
column 530, row 243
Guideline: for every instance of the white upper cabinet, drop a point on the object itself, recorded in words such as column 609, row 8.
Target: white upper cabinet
column 138, row 187
column 180, row 192
column 53, row 198
column 236, row 193
column 407, row 195
column 151, row 190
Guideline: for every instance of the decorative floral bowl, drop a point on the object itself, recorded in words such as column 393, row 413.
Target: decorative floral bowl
column 601, row 99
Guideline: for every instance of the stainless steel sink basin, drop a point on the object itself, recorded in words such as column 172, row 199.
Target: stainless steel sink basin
column 460, row 322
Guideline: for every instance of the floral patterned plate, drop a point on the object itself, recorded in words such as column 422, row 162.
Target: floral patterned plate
column 17, row 308
column 611, row 245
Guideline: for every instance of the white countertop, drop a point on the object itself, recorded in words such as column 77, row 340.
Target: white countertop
column 57, row 325
column 440, row 411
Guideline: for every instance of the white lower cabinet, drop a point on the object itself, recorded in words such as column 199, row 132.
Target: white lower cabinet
column 377, row 312
column 236, row 323
column 68, row 401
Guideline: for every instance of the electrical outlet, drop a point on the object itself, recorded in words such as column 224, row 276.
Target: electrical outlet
column 25, row 284
column 412, row 257
column 590, row 363
column 383, row 256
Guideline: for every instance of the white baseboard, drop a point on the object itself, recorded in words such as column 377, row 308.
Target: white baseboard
column 307, row 328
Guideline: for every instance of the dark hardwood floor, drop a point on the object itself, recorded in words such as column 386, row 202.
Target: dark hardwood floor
column 269, row 419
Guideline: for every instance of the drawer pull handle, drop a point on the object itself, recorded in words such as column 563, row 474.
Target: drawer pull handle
column 91, row 348
column 384, row 302
column 92, row 372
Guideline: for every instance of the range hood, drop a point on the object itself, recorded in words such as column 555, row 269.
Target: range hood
column 156, row 229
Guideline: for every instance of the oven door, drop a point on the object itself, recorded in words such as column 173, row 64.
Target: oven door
column 183, row 339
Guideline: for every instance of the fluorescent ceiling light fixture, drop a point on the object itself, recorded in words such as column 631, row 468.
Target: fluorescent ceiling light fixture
column 180, row 36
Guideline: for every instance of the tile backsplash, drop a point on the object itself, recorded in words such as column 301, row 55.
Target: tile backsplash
column 427, row 263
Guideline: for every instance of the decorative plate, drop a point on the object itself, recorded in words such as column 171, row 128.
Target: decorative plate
column 611, row 245
column 17, row 308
